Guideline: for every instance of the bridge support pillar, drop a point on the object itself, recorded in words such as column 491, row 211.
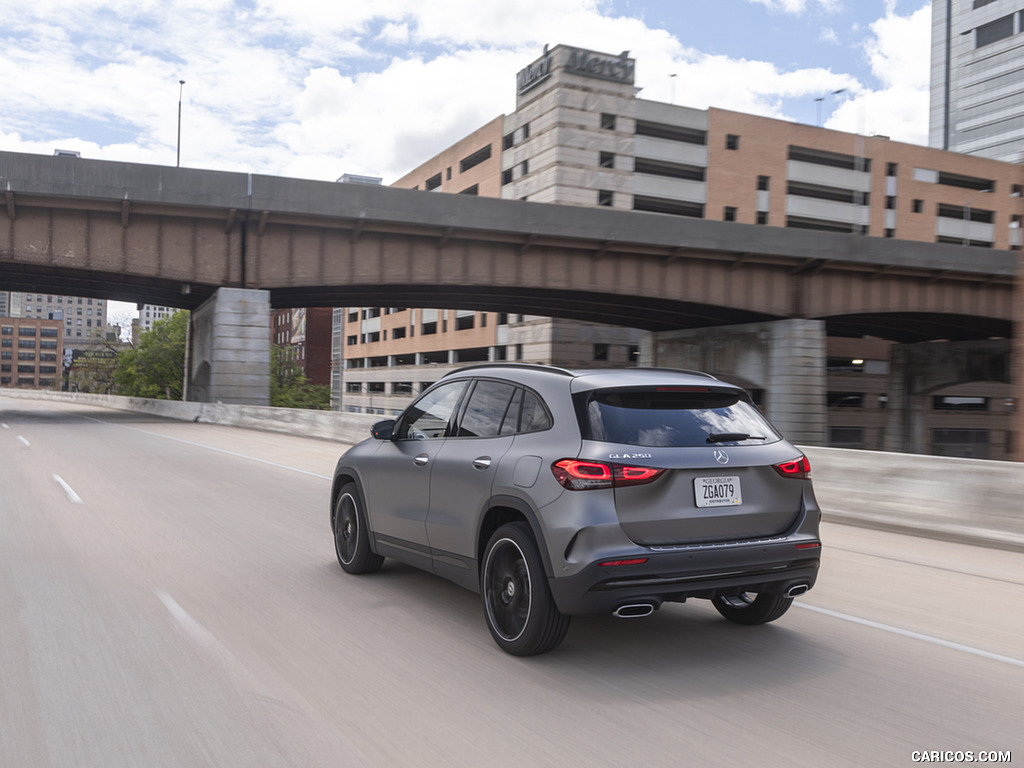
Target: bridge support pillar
column 784, row 358
column 229, row 349
column 917, row 371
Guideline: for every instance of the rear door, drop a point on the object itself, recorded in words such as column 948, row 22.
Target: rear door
column 463, row 472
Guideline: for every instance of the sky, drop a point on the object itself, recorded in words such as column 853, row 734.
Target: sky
column 316, row 88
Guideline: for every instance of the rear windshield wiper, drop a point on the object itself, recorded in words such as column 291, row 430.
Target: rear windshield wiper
column 731, row 437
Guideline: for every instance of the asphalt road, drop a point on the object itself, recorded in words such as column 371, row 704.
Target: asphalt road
column 169, row 597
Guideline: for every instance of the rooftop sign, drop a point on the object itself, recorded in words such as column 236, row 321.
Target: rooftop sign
column 579, row 61
column 618, row 69
column 536, row 73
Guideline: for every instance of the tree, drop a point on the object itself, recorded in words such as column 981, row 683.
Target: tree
column 156, row 367
column 289, row 388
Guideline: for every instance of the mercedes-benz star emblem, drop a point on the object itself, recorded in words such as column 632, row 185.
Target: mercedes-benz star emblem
column 721, row 457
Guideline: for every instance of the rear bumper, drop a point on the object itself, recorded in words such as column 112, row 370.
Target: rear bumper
column 774, row 566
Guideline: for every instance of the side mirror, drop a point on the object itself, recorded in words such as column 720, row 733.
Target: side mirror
column 382, row 429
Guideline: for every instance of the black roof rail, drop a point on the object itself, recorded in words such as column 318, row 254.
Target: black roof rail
column 519, row 366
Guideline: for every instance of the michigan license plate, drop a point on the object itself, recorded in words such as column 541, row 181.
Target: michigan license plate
column 717, row 491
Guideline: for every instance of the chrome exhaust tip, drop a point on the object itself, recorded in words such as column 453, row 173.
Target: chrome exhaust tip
column 796, row 590
column 634, row 610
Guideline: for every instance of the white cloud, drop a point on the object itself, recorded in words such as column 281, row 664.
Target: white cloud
column 797, row 6
column 899, row 54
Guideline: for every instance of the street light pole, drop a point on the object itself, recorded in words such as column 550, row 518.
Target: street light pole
column 181, row 87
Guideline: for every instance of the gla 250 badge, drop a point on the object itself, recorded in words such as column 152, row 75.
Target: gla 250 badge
column 630, row 456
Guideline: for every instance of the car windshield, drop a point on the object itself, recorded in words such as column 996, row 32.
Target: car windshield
column 672, row 417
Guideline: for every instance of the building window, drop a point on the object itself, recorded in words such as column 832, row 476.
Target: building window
column 475, row 159
column 608, row 121
column 890, row 203
column 948, row 403
column 524, row 168
column 473, row 191
column 732, row 141
column 508, row 141
column 429, row 328
column 448, row 175
column 670, row 170
column 890, row 233
column 993, row 32
column 506, row 176
column 890, row 169
column 606, row 159
column 464, row 323
column 762, row 217
column 729, row 214
column 600, row 351
column 671, row 132
column 762, row 183
column 967, row 443
column 917, row 206
column 845, row 399
column 604, row 197
column 433, row 182
column 398, row 333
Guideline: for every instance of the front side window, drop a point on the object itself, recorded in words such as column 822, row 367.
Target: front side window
column 672, row 417
column 429, row 416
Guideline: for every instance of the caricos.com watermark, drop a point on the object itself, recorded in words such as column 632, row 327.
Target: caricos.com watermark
column 960, row 756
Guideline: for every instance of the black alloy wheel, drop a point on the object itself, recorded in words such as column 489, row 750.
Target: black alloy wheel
column 750, row 609
column 521, row 614
column 351, row 537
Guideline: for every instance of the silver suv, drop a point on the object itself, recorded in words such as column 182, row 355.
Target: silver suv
column 555, row 493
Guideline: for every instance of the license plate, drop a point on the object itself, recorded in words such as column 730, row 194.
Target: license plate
column 718, row 491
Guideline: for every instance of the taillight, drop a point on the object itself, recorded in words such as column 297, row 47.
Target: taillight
column 580, row 475
column 799, row 468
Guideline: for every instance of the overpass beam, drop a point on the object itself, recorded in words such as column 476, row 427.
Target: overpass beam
column 229, row 348
column 785, row 358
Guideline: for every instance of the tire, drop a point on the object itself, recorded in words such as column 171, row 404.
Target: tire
column 521, row 614
column 351, row 536
column 750, row 609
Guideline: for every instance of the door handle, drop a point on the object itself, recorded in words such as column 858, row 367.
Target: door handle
column 483, row 462
column 421, row 460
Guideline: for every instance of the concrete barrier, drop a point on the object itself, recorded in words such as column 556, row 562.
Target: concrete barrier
column 969, row 500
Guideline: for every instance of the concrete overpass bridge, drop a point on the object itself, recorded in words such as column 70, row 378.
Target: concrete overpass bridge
column 180, row 237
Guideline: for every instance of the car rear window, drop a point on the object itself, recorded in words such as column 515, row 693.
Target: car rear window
column 671, row 417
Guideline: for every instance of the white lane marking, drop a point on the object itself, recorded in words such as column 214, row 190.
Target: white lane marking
column 199, row 634
column 915, row 635
column 25, row 441
column 211, row 448
column 72, row 496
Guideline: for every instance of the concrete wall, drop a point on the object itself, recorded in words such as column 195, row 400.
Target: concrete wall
column 967, row 500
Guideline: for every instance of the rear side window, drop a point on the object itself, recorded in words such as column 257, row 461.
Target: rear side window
column 499, row 408
column 671, row 417
column 535, row 417
column 489, row 412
